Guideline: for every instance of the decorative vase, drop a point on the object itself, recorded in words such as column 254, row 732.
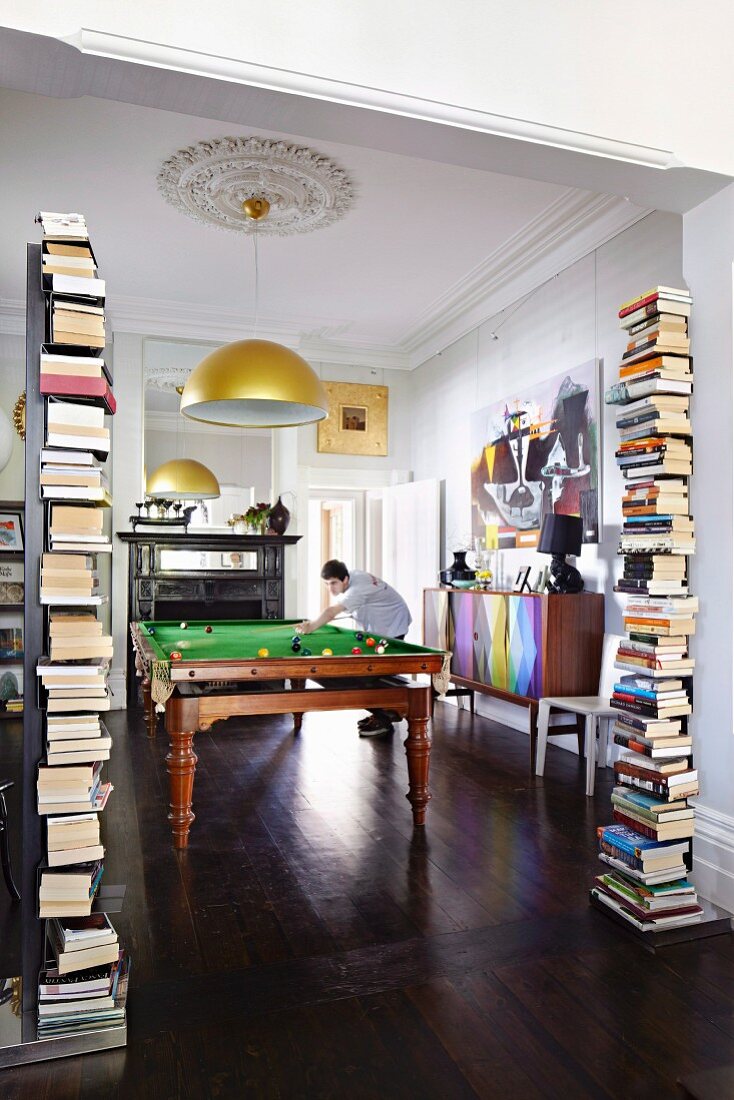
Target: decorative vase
column 279, row 517
column 460, row 571
column 240, row 527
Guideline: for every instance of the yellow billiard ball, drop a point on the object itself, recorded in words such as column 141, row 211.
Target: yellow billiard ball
column 327, row 652
column 263, row 652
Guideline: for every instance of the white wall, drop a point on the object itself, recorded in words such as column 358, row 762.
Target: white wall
column 12, row 384
column 568, row 321
column 708, row 254
column 235, row 458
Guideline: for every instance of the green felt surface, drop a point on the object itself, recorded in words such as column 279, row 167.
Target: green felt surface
column 241, row 640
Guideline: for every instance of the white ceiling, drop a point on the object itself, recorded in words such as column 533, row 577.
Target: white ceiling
column 429, row 236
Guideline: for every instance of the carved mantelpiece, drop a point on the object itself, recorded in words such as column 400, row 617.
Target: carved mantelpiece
column 237, row 577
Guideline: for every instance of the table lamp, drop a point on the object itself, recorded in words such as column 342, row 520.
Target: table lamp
column 561, row 535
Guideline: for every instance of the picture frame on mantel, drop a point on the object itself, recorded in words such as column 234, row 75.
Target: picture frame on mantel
column 357, row 420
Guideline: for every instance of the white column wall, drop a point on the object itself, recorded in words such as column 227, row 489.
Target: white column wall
column 708, row 254
column 126, row 483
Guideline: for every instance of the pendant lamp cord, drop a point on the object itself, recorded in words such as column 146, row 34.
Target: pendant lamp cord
column 257, row 280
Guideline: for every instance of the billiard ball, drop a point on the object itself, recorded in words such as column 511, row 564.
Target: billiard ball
column 295, row 646
column 370, row 642
column 327, row 652
column 151, row 630
column 356, row 649
column 207, row 629
column 184, row 626
column 296, row 638
column 175, row 655
column 380, row 649
column 359, row 637
column 263, row 652
column 305, row 652
column 383, row 641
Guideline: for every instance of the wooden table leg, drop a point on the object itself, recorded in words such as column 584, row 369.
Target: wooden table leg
column 181, row 762
column 297, row 685
column 149, row 708
column 418, row 750
column 533, row 735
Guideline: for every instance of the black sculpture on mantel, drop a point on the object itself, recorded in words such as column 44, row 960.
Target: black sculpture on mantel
column 561, row 535
column 174, row 514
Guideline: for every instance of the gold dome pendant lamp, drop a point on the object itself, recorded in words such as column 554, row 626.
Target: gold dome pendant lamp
column 182, row 479
column 254, row 383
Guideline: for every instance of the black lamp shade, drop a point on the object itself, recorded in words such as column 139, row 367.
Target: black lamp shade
column 561, row 534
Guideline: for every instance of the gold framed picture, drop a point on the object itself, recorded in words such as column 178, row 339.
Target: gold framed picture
column 357, row 420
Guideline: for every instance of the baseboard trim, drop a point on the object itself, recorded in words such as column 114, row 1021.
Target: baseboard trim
column 117, row 682
column 713, row 856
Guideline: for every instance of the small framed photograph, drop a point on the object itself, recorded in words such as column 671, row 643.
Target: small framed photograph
column 353, row 418
column 522, row 583
column 11, row 531
column 233, row 559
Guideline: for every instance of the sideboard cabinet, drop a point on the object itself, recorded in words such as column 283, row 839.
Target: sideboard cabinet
column 518, row 647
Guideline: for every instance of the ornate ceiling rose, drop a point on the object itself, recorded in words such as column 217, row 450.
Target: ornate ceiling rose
column 210, row 181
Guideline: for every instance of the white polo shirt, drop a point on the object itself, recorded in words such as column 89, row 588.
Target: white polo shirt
column 375, row 605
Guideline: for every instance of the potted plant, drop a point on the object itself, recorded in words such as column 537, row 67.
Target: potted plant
column 256, row 517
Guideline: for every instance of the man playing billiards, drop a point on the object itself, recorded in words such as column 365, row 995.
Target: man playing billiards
column 376, row 607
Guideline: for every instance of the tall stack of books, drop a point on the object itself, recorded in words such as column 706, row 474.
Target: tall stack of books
column 84, row 983
column 646, row 848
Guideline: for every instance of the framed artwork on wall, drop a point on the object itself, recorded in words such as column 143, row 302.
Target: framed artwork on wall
column 537, row 451
column 357, row 420
column 11, row 531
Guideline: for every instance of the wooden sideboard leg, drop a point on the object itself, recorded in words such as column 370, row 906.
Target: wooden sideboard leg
column 533, row 735
column 581, row 734
column 149, row 708
column 418, row 750
column 297, row 685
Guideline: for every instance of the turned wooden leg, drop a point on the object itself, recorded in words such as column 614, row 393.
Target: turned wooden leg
column 418, row 750
column 297, row 685
column 149, row 708
column 181, row 762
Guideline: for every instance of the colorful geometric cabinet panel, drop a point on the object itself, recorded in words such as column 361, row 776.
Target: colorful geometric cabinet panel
column 495, row 637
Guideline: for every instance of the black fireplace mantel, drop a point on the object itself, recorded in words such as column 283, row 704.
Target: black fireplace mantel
column 157, row 591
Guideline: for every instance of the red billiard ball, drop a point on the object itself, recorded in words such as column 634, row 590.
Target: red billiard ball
column 208, row 629
column 175, row 655
column 370, row 642
column 356, row 649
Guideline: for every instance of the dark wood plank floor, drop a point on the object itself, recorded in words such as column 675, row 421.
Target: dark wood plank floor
column 310, row 943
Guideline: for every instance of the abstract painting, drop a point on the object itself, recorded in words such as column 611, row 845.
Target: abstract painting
column 535, row 452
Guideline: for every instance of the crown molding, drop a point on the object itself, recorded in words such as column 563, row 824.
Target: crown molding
column 566, row 231
column 12, row 317
column 235, row 71
column 190, row 321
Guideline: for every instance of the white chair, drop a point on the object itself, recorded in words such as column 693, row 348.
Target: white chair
column 596, row 710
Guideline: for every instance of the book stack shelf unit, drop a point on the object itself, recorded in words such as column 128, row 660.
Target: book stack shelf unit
column 11, row 610
column 67, row 566
column 646, row 852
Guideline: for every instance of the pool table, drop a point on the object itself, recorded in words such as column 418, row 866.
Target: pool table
column 207, row 672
